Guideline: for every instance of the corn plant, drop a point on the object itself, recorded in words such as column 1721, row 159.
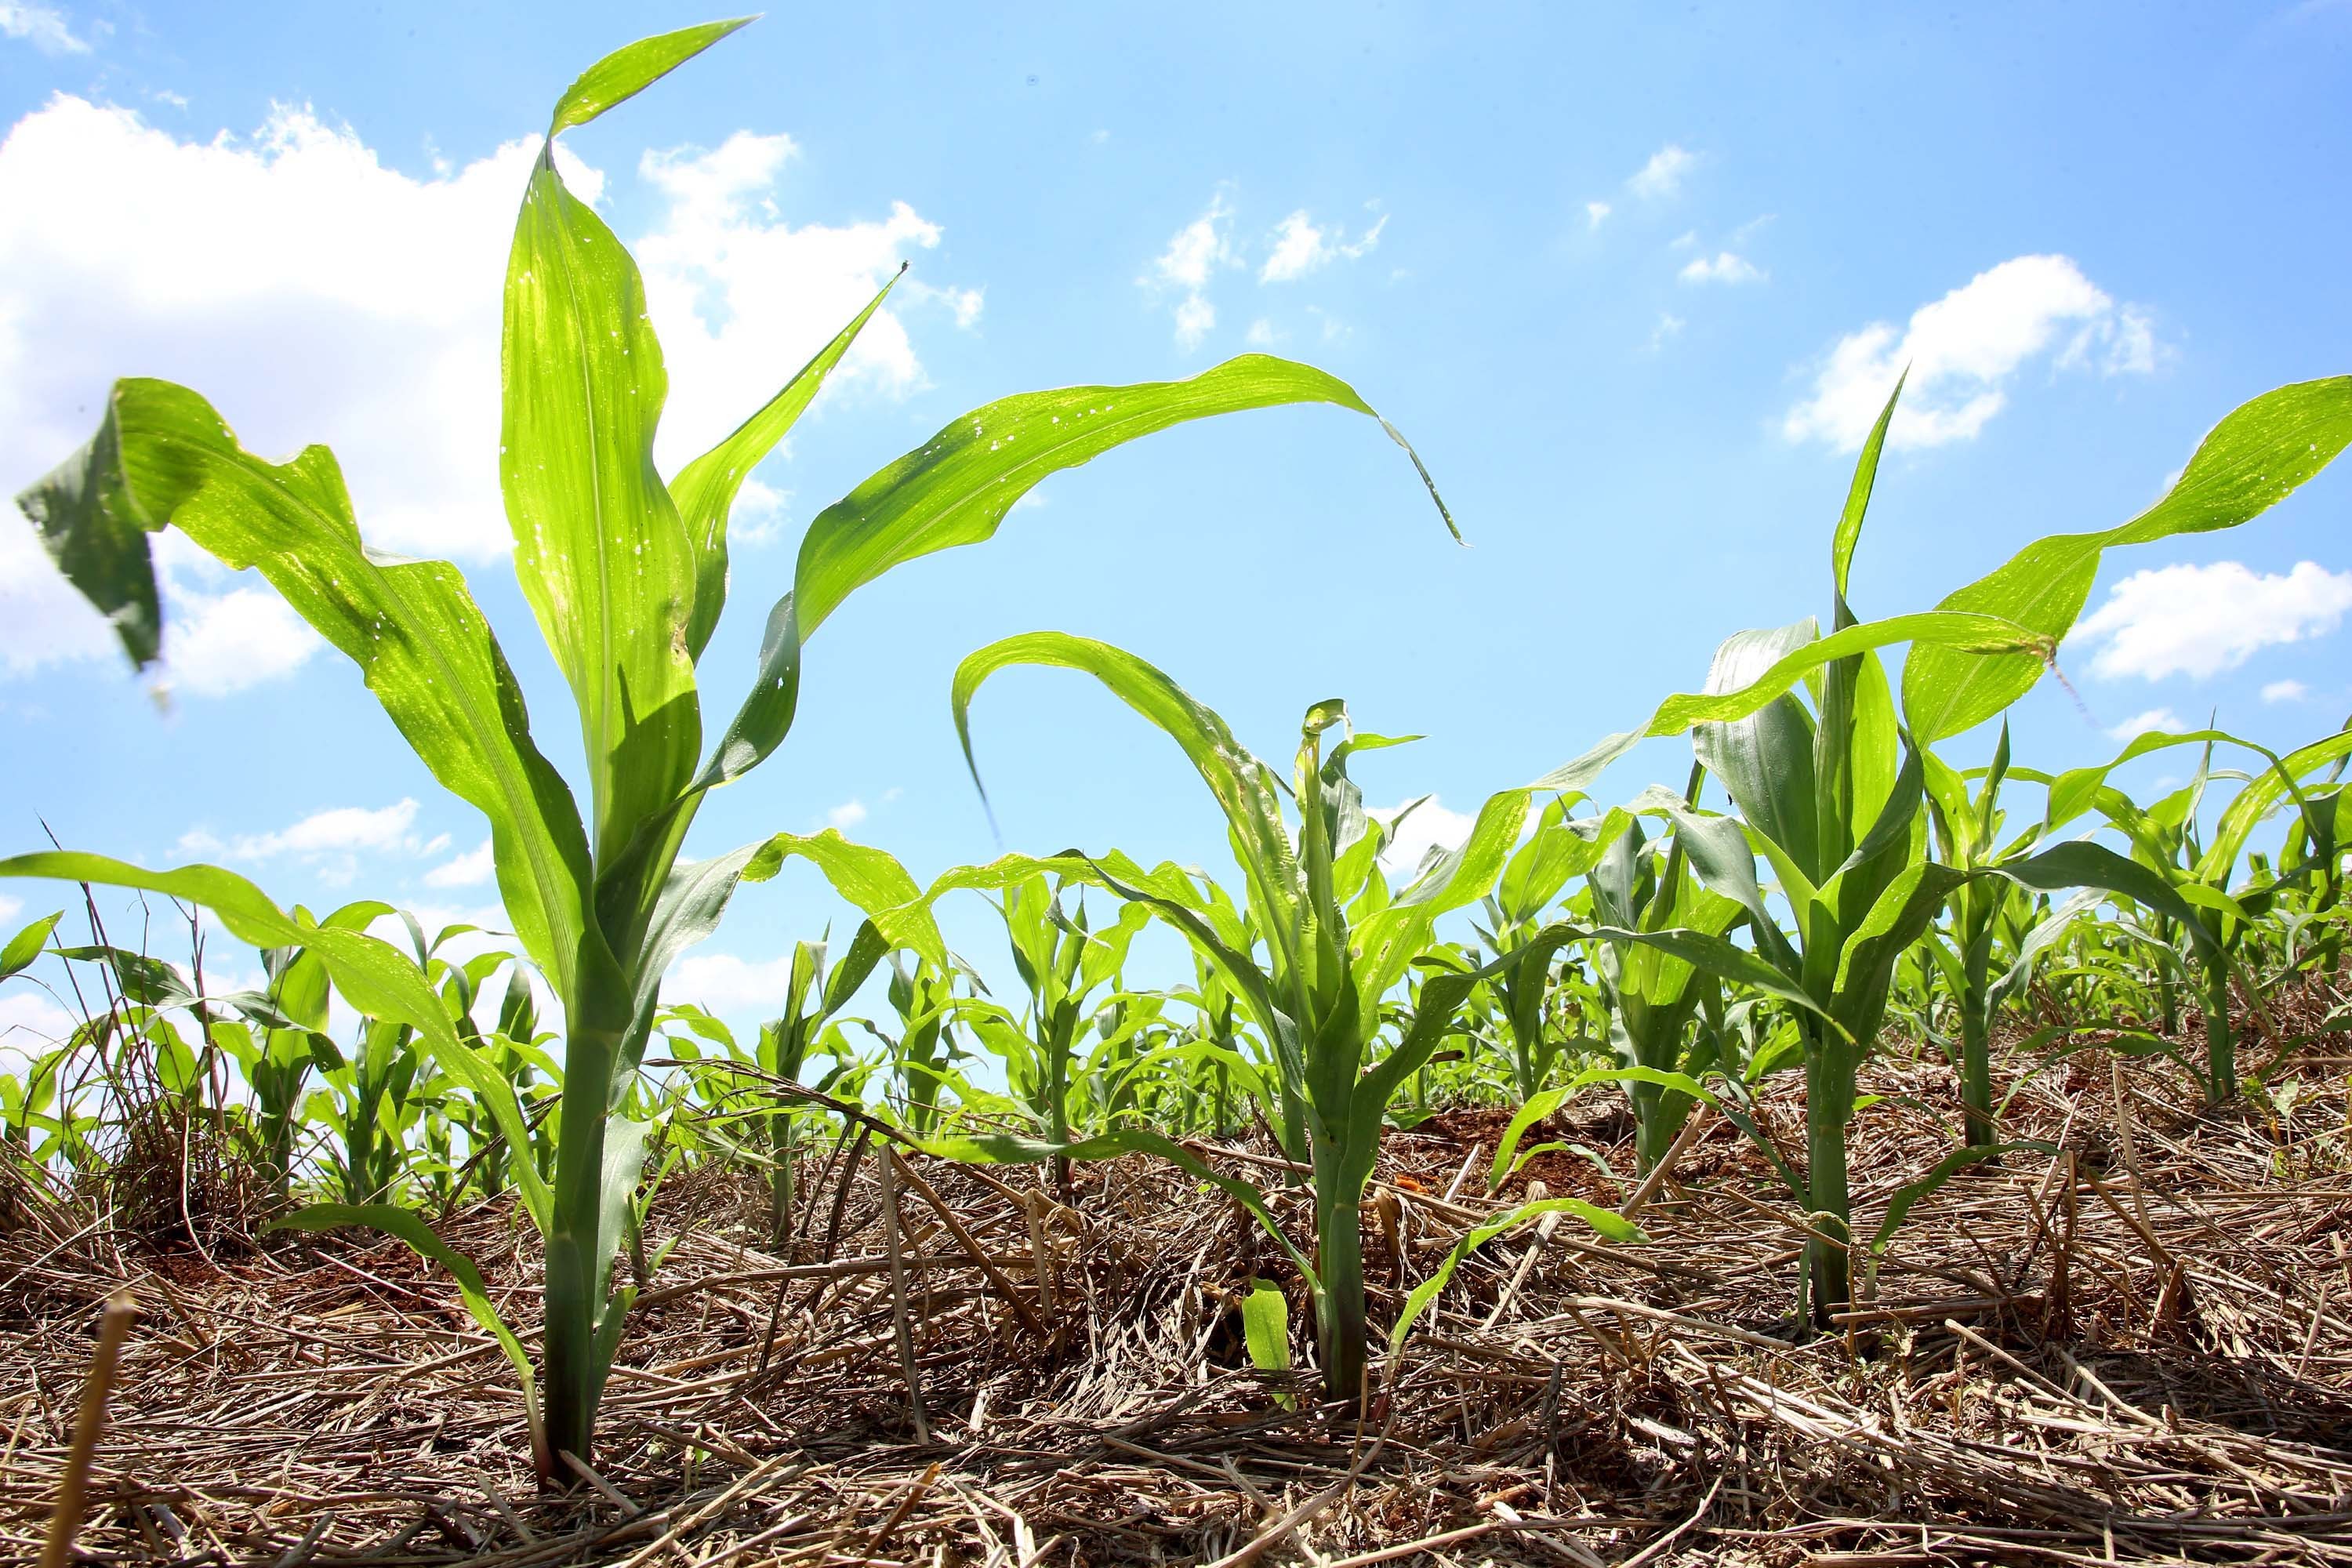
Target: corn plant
column 625, row 572
column 1831, row 797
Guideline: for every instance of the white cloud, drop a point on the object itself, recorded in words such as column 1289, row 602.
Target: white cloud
column 30, row 1022
column 2285, row 692
column 471, row 869
column 2141, row 724
column 1724, row 267
column 848, row 814
column 1962, row 350
column 216, row 645
column 10, row 907
column 2201, row 620
column 1595, row 214
column 41, row 26
column 1262, row 335
column 1430, row 827
column 1196, row 253
column 1301, row 246
column 317, row 295
column 1669, row 327
column 330, row 841
column 1662, row 176
column 722, row 984
column 1195, row 316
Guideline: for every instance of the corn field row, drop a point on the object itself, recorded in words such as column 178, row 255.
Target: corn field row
column 1854, row 872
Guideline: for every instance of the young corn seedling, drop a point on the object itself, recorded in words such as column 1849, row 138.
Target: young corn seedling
column 626, row 571
column 1832, row 796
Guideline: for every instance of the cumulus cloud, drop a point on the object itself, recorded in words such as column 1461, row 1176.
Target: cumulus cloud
column 1722, row 267
column 848, row 814
column 1195, row 255
column 1262, row 335
column 1428, row 826
column 722, row 984
column 2285, row 692
column 40, row 25
column 1663, row 175
column 315, row 294
column 1301, row 246
column 1595, row 214
column 1964, row 349
column 2201, row 620
column 471, row 869
column 330, row 840
column 2139, row 724
column 1670, row 327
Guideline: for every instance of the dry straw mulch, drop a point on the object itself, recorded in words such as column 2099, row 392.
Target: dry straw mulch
column 2139, row 1349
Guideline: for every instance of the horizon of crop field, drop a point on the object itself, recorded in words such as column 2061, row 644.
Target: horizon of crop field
column 1635, row 287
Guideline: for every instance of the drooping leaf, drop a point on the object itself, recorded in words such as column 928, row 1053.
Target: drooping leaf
column 2251, row 460
column 957, row 487
column 162, row 456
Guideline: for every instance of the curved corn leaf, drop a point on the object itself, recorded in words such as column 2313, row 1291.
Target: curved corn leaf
column 2253, row 458
column 1616, row 1227
column 956, row 488
column 164, row 457
column 632, row 68
column 402, row 1226
column 1898, row 1207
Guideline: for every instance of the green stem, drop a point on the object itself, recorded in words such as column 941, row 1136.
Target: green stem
column 1829, row 1100
column 2221, row 1043
column 1339, row 1259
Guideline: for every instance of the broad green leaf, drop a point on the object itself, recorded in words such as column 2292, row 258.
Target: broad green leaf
column 162, row 456
column 956, row 488
column 1265, row 1327
column 1766, row 759
column 599, row 548
column 632, row 68
column 705, row 488
column 2252, row 459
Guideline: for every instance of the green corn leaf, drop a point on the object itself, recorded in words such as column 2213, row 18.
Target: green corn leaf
column 27, row 944
column 705, row 488
column 600, row 551
column 402, row 1226
column 1766, row 758
column 1857, row 499
column 1614, row 1227
column 956, row 488
column 1245, row 789
column 1898, row 1207
column 2083, row 864
column 162, row 456
column 1265, row 1327
column 2252, row 459
column 632, row 68
column 624, row 1163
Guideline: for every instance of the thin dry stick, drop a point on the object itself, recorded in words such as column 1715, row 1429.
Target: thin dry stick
column 885, row 1168
column 972, row 1248
column 65, row 1519
column 1665, row 1165
column 1536, row 1192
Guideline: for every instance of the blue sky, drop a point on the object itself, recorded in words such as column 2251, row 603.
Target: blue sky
column 1630, row 277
